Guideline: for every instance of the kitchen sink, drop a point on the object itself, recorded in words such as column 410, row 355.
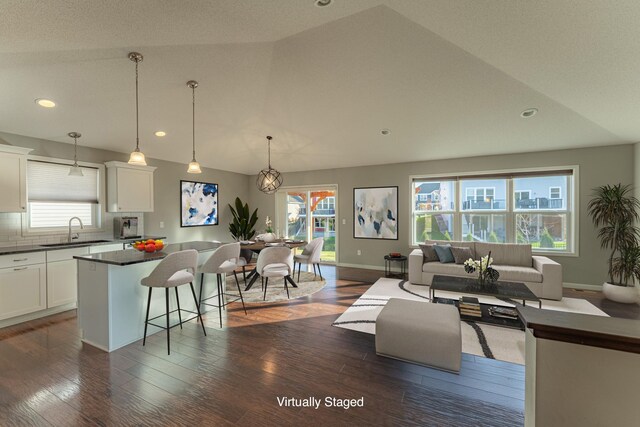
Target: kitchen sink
column 79, row 243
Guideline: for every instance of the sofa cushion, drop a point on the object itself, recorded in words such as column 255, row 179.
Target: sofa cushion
column 439, row 268
column 506, row 253
column 460, row 254
column 444, row 253
column 455, row 243
column 513, row 273
column 428, row 253
column 508, row 273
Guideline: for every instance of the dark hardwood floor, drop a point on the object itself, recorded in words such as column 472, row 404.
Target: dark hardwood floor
column 236, row 374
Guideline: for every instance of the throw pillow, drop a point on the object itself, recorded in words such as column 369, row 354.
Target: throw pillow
column 444, row 253
column 429, row 253
column 460, row 254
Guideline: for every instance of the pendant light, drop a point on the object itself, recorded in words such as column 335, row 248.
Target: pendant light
column 75, row 169
column 269, row 180
column 137, row 157
column 194, row 166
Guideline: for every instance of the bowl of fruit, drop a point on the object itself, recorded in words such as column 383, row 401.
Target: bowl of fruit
column 149, row 245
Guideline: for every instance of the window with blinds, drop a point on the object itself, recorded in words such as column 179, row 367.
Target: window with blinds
column 533, row 207
column 55, row 197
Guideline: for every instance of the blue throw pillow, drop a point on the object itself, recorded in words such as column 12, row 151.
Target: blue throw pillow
column 444, row 253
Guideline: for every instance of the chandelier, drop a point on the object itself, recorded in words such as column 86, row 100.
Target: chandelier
column 269, row 179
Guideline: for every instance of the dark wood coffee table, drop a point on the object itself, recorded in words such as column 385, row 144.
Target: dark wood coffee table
column 469, row 285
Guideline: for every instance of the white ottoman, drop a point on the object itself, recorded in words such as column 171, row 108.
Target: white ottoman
column 420, row 332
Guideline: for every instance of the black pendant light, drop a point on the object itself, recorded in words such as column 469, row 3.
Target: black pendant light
column 194, row 166
column 137, row 156
column 269, row 179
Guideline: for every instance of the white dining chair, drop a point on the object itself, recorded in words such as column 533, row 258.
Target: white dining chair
column 275, row 262
column 310, row 255
column 221, row 262
column 175, row 269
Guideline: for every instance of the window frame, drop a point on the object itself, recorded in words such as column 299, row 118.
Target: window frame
column 572, row 204
column 98, row 210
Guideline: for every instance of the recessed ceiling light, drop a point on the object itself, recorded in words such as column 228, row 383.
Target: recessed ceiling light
column 529, row 112
column 323, row 3
column 385, row 132
column 160, row 133
column 46, row 103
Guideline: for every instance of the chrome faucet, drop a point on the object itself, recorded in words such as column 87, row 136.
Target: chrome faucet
column 76, row 235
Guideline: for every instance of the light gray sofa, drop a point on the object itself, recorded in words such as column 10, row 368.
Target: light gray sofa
column 514, row 262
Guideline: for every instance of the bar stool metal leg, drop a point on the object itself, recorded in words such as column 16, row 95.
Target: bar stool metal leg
column 320, row 272
column 197, row 308
column 146, row 319
column 201, row 286
column 178, row 302
column 166, row 294
column 219, row 299
column 240, row 292
column 299, row 268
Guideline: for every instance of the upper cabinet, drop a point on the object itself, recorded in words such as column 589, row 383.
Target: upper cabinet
column 13, row 178
column 129, row 187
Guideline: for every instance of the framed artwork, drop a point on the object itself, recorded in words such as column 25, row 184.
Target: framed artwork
column 198, row 204
column 375, row 211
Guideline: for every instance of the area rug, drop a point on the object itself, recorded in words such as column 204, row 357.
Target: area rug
column 307, row 285
column 494, row 342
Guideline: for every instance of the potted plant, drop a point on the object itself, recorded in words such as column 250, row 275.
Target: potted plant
column 614, row 210
column 242, row 226
column 268, row 235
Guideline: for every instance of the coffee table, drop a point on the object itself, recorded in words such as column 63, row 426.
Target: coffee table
column 469, row 285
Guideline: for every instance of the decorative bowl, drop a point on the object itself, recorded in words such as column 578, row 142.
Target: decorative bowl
column 149, row 246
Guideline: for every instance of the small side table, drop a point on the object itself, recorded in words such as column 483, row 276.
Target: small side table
column 402, row 260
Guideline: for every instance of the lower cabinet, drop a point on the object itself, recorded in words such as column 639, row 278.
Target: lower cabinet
column 23, row 290
column 62, row 276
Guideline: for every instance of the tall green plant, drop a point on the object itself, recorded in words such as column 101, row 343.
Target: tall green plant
column 242, row 226
column 615, row 211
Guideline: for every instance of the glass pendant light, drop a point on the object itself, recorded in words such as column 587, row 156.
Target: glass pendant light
column 269, row 179
column 75, row 170
column 194, row 166
column 137, row 156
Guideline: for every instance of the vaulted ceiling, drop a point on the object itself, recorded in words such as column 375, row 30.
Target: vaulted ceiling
column 449, row 78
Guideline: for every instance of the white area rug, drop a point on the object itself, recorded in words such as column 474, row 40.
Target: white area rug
column 501, row 343
column 308, row 284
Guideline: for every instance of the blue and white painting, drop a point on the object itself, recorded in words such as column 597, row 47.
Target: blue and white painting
column 199, row 203
column 375, row 213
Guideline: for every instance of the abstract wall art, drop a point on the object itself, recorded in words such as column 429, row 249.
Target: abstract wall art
column 375, row 212
column 198, row 204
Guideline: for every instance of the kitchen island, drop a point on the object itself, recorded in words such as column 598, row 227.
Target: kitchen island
column 111, row 301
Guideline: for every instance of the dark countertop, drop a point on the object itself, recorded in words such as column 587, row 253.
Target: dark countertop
column 597, row 331
column 130, row 257
column 8, row 250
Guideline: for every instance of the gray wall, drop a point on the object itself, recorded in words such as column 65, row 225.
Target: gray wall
column 600, row 165
column 166, row 193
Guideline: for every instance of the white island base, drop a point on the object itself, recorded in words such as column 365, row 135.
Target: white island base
column 112, row 304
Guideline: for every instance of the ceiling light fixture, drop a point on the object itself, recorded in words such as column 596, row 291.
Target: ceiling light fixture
column 46, row 103
column 75, row 169
column 194, row 166
column 160, row 133
column 323, row 3
column 529, row 112
column 385, row 132
column 137, row 157
column 269, row 179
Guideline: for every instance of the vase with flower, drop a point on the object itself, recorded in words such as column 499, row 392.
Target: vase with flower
column 487, row 275
column 269, row 236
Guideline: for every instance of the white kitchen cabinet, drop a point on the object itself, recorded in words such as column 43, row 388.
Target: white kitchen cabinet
column 62, row 276
column 22, row 290
column 13, row 178
column 129, row 187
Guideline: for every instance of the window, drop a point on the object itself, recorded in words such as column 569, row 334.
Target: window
column 55, row 197
column 525, row 207
column 434, row 200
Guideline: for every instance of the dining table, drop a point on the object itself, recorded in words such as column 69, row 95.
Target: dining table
column 258, row 245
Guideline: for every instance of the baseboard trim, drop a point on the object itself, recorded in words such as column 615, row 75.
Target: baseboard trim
column 37, row 315
column 582, row 286
column 368, row 267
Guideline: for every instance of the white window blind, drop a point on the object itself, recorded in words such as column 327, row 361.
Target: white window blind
column 50, row 182
column 50, row 215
